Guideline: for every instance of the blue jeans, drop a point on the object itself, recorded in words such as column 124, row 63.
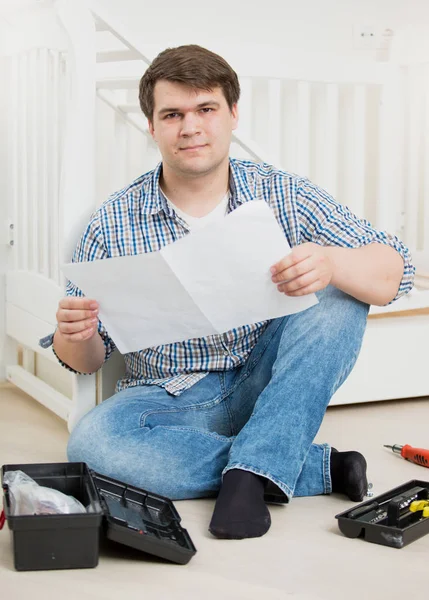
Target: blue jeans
column 261, row 417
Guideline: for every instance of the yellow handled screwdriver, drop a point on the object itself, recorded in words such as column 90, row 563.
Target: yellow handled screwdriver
column 422, row 505
column 415, row 455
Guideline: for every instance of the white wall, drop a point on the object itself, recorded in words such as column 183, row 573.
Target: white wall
column 27, row 24
column 323, row 26
column 312, row 25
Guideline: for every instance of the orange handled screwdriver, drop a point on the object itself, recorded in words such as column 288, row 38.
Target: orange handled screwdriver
column 415, row 455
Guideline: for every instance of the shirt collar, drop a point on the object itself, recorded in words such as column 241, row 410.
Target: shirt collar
column 155, row 201
column 239, row 185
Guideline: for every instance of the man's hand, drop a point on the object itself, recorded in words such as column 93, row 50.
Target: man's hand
column 307, row 269
column 77, row 318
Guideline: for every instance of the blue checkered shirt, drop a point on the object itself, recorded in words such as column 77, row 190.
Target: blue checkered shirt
column 138, row 219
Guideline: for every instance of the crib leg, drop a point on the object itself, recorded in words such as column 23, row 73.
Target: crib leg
column 84, row 398
column 8, row 354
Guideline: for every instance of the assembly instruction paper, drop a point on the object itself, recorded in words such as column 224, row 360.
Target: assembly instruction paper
column 208, row 282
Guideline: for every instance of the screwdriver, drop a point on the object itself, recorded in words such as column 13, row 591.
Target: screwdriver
column 415, row 455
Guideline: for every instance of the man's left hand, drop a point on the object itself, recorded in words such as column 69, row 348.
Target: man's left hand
column 307, row 269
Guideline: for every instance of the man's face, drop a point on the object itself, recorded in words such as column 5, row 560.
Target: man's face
column 192, row 128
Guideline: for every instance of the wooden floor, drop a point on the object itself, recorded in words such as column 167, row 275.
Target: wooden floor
column 303, row 556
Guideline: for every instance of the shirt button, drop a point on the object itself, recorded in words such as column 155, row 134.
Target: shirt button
column 226, row 353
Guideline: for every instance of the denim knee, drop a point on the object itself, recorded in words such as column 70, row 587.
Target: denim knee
column 339, row 314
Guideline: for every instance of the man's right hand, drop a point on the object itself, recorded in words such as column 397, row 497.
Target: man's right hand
column 76, row 341
column 77, row 318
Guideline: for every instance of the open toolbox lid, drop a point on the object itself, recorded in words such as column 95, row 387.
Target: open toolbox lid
column 139, row 519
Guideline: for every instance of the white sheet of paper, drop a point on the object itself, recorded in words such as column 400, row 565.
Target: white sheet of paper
column 208, row 282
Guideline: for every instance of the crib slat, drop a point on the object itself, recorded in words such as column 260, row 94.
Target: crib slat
column 329, row 154
column 359, row 158
column 43, row 173
column 245, row 114
column 53, row 164
column 303, row 128
column 119, row 161
column 391, row 144
column 275, row 120
column 414, row 148
column 33, row 158
column 289, row 128
column 426, row 165
column 29, row 360
column 22, row 182
column 354, row 181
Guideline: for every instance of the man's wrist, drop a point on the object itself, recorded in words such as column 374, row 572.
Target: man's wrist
column 332, row 255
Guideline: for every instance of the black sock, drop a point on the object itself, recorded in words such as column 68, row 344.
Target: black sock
column 240, row 510
column 348, row 474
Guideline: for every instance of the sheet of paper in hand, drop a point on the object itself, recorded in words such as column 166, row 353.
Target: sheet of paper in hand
column 208, row 282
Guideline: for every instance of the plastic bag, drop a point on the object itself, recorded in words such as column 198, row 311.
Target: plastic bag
column 29, row 498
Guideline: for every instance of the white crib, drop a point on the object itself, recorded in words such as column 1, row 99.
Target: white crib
column 355, row 129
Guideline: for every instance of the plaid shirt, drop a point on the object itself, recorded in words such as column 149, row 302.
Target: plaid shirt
column 138, row 219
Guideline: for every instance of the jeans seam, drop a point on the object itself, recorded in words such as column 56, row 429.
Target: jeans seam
column 284, row 488
column 327, row 481
column 189, row 408
column 221, row 438
column 235, row 385
column 255, row 361
column 225, row 396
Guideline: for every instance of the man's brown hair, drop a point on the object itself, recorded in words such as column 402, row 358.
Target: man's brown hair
column 193, row 66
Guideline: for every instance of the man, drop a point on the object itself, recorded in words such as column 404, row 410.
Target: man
column 236, row 412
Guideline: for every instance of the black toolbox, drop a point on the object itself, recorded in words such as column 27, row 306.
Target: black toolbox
column 121, row 512
column 387, row 519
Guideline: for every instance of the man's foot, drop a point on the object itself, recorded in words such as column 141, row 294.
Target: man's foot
column 240, row 510
column 348, row 474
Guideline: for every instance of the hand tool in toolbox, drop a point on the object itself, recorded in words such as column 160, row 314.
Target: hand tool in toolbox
column 419, row 456
column 394, row 519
